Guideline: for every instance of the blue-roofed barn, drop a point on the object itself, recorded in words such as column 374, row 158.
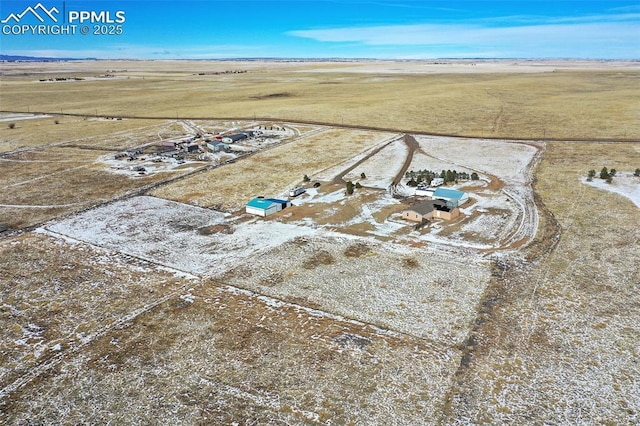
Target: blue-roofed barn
column 265, row 206
column 452, row 195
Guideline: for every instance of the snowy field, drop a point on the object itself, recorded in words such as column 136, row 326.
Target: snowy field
column 507, row 160
column 625, row 184
column 180, row 236
column 416, row 291
column 381, row 168
column 333, row 171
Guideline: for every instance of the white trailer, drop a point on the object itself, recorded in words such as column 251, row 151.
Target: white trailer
column 296, row 191
column 437, row 181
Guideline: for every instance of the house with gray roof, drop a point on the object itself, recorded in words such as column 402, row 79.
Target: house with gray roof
column 431, row 209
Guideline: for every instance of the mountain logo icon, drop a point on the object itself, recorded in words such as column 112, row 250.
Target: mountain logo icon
column 34, row 11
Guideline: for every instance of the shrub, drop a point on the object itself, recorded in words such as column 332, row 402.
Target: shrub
column 12, row 125
column 350, row 187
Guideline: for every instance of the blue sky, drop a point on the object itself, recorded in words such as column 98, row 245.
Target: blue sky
column 386, row 29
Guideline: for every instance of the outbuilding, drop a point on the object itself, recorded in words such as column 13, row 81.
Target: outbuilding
column 193, row 148
column 260, row 206
column 431, row 209
column 234, row 138
column 217, row 146
column 452, row 195
column 423, row 191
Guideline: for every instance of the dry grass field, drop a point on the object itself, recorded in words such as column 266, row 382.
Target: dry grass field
column 561, row 101
column 77, row 293
column 561, row 344
column 143, row 310
column 214, row 356
column 271, row 172
column 50, row 169
column 42, row 132
column 62, row 188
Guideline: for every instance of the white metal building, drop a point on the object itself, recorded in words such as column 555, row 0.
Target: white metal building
column 266, row 206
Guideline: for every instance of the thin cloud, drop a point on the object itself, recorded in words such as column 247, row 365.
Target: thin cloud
column 455, row 34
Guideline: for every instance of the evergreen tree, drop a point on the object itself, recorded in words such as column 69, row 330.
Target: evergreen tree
column 449, row 177
column 474, row 176
column 604, row 173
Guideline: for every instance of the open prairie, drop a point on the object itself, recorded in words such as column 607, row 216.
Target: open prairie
column 135, row 289
column 559, row 99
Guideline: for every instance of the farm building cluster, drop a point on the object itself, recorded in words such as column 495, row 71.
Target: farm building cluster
column 199, row 146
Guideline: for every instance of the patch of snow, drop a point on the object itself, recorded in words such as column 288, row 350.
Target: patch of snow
column 312, row 195
column 169, row 233
column 7, row 116
column 165, row 164
column 188, row 298
column 625, row 184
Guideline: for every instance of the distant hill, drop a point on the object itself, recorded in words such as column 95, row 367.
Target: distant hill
column 18, row 58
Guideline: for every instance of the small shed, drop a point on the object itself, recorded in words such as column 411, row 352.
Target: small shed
column 452, row 195
column 260, row 206
column 431, row 209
